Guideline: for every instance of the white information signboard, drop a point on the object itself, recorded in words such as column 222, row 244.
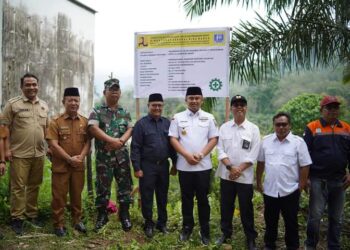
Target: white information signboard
column 168, row 62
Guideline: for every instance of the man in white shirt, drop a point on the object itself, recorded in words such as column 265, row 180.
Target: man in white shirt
column 238, row 148
column 193, row 134
column 285, row 159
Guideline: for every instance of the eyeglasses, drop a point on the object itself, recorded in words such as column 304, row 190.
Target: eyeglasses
column 281, row 124
column 239, row 104
column 332, row 106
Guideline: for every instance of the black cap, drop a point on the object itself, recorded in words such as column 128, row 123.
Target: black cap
column 71, row 91
column 156, row 97
column 238, row 98
column 194, row 91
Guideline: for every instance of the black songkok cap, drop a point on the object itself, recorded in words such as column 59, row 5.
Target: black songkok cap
column 71, row 92
column 194, row 91
column 156, row 97
column 238, row 98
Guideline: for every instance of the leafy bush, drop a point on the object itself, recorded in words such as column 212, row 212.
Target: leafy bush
column 303, row 109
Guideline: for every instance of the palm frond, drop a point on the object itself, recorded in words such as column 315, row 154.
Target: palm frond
column 198, row 7
column 209, row 104
column 311, row 38
column 294, row 34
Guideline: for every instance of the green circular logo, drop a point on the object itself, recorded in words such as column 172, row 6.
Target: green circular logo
column 215, row 84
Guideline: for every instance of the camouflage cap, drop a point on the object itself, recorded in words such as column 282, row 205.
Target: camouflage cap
column 111, row 82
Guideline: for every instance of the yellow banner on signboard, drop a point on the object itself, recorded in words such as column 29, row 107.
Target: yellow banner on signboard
column 196, row 39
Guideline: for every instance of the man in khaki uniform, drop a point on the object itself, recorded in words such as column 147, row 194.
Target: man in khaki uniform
column 27, row 119
column 69, row 144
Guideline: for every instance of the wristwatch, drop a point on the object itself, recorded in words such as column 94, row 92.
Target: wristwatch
column 228, row 167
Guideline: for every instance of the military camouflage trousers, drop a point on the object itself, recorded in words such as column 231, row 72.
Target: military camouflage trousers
column 105, row 171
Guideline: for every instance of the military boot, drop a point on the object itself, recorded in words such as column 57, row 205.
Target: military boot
column 102, row 218
column 124, row 217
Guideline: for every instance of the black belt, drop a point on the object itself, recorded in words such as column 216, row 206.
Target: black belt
column 159, row 162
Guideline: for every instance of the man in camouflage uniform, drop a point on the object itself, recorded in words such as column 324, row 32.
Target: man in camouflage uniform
column 111, row 127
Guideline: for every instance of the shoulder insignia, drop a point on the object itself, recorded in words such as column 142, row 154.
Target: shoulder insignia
column 55, row 117
column 82, row 116
column 15, row 99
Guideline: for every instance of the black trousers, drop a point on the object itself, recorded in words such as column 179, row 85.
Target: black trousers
column 195, row 184
column 155, row 180
column 289, row 207
column 229, row 190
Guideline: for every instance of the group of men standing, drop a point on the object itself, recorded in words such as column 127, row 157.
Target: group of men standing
column 289, row 163
column 24, row 130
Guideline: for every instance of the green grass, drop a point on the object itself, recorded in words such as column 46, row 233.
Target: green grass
column 113, row 237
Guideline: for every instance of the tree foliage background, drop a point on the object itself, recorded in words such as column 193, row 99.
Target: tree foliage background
column 294, row 35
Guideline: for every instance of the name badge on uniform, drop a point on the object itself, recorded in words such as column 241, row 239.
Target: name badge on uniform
column 245, row 143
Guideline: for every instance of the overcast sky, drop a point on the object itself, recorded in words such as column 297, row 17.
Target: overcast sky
column 117, row 21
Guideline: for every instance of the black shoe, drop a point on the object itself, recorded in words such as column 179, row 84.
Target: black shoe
column 126, row 224
column 102, row 219
column 204, row 239
column 35, row 222
column 162, row 228
column 17, row 226
column 125, row 217
column 222, row 240
column 185, row 234
column 306, row 247
column 251, row 245
column 60, row 232
column 80, row 227
column 149, row 231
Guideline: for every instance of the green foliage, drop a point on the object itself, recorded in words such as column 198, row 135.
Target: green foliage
column 294, row 35
column 303, row 109
column 346, row 74
column 4, row 196
column 209, row 104
column 112, row 236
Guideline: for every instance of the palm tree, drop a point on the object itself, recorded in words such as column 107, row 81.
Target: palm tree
column 300, row 34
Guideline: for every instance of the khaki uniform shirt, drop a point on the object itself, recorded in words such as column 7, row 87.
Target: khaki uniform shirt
column 27, row 122
column 71, row 135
